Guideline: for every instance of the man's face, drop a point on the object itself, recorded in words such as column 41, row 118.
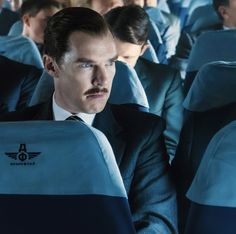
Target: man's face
column 231, row 13
column 128, row 52
column 36, row 24
column 83, row 79
column 228, row 13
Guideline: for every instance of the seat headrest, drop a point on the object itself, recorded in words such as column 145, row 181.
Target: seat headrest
column 217, row 45
column 21, row 49
column 214, row 86
column 57, row 158
column 214, row 183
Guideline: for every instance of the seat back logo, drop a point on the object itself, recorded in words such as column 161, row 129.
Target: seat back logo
column 22, row 157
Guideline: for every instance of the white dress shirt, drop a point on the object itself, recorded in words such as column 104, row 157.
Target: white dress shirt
column 60, row 114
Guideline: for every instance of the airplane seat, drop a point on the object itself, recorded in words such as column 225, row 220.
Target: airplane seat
column 210, row 105
column 202, row 17
column 212, row 193
column 16, row 29
column 60, row 177
column 21, row 49
column 150, row 53
column 218, row 45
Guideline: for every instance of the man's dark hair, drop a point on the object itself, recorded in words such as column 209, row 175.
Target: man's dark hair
column 33, row 7
column 129, row 24
column 217, row 3
column 65, row 22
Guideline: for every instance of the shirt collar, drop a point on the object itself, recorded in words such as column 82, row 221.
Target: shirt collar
column 227, row 28
column 61, row 114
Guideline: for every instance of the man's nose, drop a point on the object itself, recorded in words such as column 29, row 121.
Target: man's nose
column 101, row 76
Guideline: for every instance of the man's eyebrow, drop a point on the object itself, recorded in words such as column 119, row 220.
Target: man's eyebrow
column 113, row 58
column 86, row 60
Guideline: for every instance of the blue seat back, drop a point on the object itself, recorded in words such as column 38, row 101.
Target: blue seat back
column 209, row 105
column 210, row 46
column 20, row 49
column 218, row 45
column 150, row 53
column 213, row 190
column 203, row 16
column 60, row 177
column 16, row 29
column 213, row 87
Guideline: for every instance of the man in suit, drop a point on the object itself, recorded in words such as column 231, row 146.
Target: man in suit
column 17, row 84
column 80, row 54
column 161, row 83
column 226, row 10
column 34, row 15
column 167, row 23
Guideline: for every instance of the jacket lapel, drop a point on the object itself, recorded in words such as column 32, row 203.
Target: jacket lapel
column 105, row 122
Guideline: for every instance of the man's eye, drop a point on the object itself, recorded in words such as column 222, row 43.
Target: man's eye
column 86, row 65
column 111, row 63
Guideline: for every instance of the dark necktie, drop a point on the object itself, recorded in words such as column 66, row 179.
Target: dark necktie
column 74, row 117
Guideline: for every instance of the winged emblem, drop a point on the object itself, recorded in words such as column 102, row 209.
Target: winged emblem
column 22, row 154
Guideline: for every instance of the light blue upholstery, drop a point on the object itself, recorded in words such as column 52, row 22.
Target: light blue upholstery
column 20, row 49
column 126, row 88
column 193, row 4
column 16, row 29
column 218, row 45
column 205, row 14
column 150, row 53
column 214, row 86
column 155, row 39
column 64, row 176
column 215, row 184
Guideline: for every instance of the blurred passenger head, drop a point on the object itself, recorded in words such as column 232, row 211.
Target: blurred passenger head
column 103, row 6
column 140, row 3
column 129, row 25
column 226, row 9
column 80, row 54
column 35, row 14
column 15, row 4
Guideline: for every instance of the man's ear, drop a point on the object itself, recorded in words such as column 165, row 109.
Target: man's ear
column 223, row 12
column 26, row 19
column 50, row 66
column 144, row 47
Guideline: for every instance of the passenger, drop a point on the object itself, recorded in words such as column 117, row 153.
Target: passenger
column 161, row 83
column 80, row 54
column 7, row 19
column 167, row 23
column 15, row 4
column 226, row 10
column 35, row 14
column 101, row 6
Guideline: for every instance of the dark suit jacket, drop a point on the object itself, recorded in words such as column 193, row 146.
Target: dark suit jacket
column 163, row 88
column 138, row 146
column 7, row 19
column 17, row 84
